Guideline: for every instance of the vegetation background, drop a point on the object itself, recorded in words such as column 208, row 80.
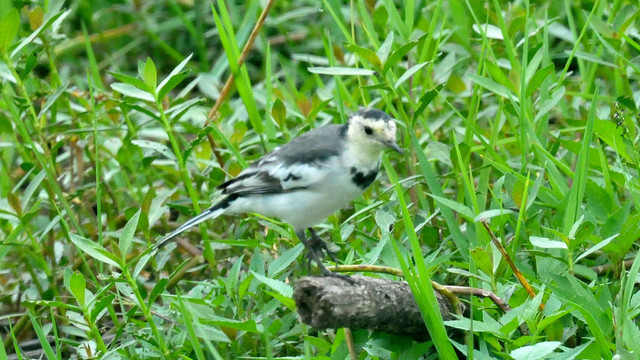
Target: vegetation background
column 520, row 114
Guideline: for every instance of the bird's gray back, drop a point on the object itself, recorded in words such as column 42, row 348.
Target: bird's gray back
column 314, row 146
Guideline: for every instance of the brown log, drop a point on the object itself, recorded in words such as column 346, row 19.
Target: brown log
column 368, row 303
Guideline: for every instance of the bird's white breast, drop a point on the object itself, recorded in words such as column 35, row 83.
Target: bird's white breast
column 330, row 189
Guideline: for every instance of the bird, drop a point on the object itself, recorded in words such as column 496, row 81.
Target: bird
column 309, row 178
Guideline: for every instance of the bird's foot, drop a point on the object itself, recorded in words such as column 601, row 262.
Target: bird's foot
column 321, row 246
column 328, row 273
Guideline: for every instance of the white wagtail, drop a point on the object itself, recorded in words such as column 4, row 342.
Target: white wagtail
column 309, row 178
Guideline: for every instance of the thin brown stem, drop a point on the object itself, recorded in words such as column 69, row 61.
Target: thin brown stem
column 214, row 112
column 512, row 265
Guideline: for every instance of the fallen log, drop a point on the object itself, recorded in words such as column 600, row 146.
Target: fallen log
column 368, row 303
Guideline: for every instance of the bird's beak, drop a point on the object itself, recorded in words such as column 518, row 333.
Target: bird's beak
column 394, row 146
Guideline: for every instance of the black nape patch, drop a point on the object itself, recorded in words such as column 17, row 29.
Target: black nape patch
column 375, row 114
column 353, row 170
column 363, row 180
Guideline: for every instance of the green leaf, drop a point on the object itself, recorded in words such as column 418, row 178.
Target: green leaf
column 397, row 55
column 246, row 325
column 131, row 81
column 279, row 112
column 127, row 235
column 426, row 99
column 385, row 48
column 132, row 91
column 51, row 99
column 342, row 71
column 50, row 20
column 538, row 78
column 407, row 74
column 546, row 243
column 42, row 336
column 488, row 214
column 482, row 260
column 150, row 74
column 102, row 303
column 576, row 194
column 94, row 250
column 241, row 74
column 157, row 290
column 29, row 191
column 156, row 147
column 9, row 26
column 535, row 352
column 498, row 75
column 279, row 286
column 492, row 86
column 366, row 54
column 284, row 260
column 491, row 31
column 596, row 247
column 173, row 79
column 455, row 206
column 156, row 209
column 77, row 287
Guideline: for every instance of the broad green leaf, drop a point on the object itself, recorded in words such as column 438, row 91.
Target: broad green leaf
column 279, row 112
column 140, row 84
column 547, row 243
column 42, row 336
column 31, row 188
column 279, row 286
column 492, row 86
column 482, row 260
column 538, row 78
column 499, row 76
column 51, row 99
column 407, row 74
column 535, row 352
column 150, row 74
column 157, row 290
column 488, row 214
column 336, row 70
column 284, row 260
column 455, row 206
column 385, row 48
column 28, row 40
column 155, row 146
column 94, row 250
column 9, row 26
column 132, row 91
column 127, row 235
column 77, row 287
column 596, row 247
column 367, row 54
column 478, row 326
column 491, row 31
column 243, row 325
column 397, row 55
column 101, row 304
column 168, row 83
column 550, row 103
column 156, row 209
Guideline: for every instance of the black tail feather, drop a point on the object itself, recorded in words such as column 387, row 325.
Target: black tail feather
column 212, row 212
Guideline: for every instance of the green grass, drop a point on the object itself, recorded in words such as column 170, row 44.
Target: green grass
column 105, row 146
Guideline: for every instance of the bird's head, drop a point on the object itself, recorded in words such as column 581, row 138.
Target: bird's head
column 372, row 130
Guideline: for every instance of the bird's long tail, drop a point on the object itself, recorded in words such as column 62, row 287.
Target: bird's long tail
column 212, row 212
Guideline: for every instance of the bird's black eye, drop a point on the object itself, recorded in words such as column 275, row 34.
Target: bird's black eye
column 368, row 130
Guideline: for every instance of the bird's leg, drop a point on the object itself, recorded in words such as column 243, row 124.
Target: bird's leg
column 312, row 254
column 320, row 245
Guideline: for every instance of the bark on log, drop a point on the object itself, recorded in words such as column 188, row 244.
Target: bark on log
column 368, row 303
